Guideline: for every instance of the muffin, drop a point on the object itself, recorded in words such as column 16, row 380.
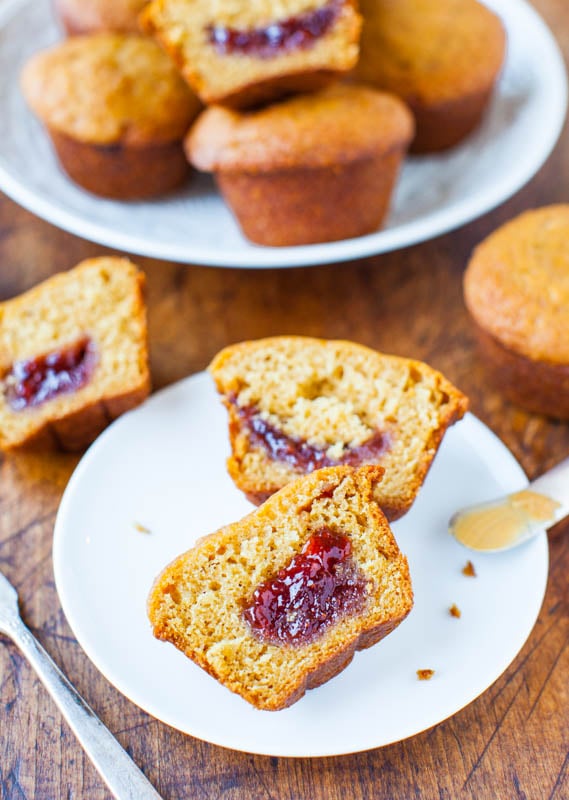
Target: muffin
column 312, row 168
column 94, row 16
column 296, row 404
column 442, row 57
column 516, row 287
column 73, row 355
column 242, row 54
column 279, row 602
column 116, row 111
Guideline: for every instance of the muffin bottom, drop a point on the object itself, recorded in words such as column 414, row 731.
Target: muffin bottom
column 446, row 124
column 538, row 386
column 122, row 172
column 75, row 432
column 307, row 206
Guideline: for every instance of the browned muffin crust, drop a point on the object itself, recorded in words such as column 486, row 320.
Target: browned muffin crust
column 116, row 110
column 516, row 287
column 337, row 152
column 442, row 57
column 538, row 386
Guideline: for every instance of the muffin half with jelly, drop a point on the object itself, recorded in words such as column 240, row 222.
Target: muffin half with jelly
column 298, row 404
column 280, row 601
column 241, row 54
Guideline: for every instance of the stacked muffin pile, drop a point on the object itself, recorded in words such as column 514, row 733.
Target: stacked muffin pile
column 312, row 104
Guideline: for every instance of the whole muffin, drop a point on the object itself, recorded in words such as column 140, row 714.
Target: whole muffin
column 93, row 16
column 516, row 288
column 442, row 57
column 312, row 168
column 116, row 111
column 243, row 54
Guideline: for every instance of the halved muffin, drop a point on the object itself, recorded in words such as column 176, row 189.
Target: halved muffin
column 297, row 404
column 279, row 602
column 242, row 54
column 73, row 355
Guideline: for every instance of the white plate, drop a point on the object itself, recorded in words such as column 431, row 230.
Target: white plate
column 434, row 195
column 163, row 466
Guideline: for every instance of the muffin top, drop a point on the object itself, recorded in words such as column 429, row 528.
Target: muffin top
column 337, row 125
column 517, row 284
column 109, row 88
column 430, row 50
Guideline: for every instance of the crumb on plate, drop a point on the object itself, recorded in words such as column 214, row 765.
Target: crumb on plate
column 425, row 674
column 141, row 528
column 469, row 570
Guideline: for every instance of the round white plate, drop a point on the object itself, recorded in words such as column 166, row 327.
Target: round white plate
column 434, row 195
column 163, row 466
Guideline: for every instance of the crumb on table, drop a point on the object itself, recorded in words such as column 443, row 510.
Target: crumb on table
column 425, row 674
column 469, row 570
column 454, row 611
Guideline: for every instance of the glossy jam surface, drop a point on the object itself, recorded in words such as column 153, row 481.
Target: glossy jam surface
column 319, row 586
column 294, row 33
column 301, row 455
column 33, row 381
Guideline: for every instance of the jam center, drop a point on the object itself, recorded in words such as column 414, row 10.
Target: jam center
column 319, row 586
column 294, row 33
column 32, row 381
column 301, row 455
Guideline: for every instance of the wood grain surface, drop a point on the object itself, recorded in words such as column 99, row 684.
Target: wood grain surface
column 513, row 742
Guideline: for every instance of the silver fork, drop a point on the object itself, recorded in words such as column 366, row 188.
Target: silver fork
column 116, row 768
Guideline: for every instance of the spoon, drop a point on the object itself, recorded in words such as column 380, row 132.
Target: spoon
column 119, row 772
column 508, row 521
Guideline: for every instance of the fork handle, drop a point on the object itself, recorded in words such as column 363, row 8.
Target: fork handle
column 124, row 779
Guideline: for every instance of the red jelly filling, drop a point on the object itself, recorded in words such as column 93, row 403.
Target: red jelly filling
column 293, row 33
column 303, row 456
column 319, row 586
column 35, row 380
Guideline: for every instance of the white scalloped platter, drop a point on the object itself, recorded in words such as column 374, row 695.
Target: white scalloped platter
column 434, row 194
column 163, row 466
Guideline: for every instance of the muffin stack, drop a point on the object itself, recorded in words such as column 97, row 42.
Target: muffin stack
column 312, row 104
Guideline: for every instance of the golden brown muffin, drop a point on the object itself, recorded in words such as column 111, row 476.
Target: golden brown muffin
column 296, row 404
column 312, row 168
column 116, row 111
column 242, row 54
column 441, row 56
column 516, row 288
column 73, row 355
column 225, row 603
column 94, row 16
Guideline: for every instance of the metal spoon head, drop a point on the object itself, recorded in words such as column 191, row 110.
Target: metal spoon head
column 503, row 523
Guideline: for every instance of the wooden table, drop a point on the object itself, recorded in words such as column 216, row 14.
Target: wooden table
column 513, row 742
